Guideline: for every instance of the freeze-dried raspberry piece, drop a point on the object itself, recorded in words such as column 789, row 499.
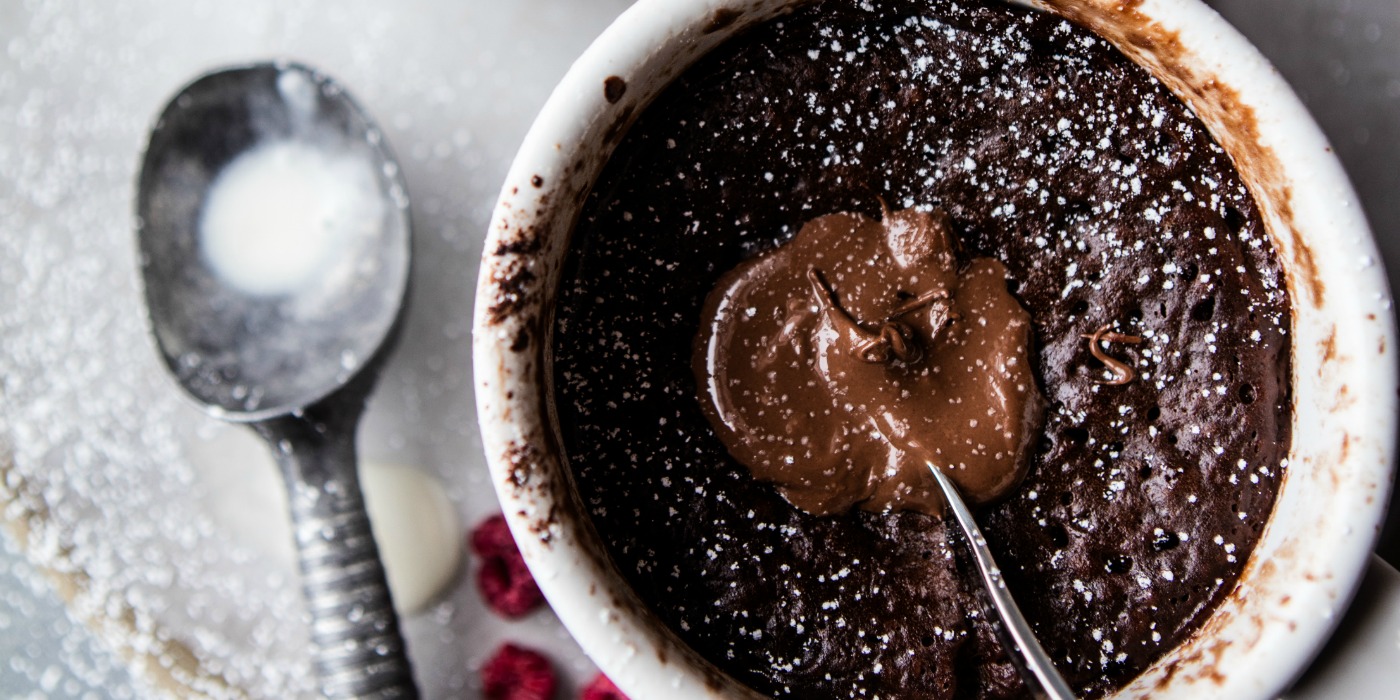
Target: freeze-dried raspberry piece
column 516, row 673
column 492, row 537
column 602, row 688
column 503, row 579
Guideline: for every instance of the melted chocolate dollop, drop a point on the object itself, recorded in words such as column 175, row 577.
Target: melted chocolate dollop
column 838, row 365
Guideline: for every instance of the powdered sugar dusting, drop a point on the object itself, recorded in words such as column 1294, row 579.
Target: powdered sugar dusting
column 98, row 450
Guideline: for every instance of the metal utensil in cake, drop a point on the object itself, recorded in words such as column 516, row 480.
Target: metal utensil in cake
column 1021, row 645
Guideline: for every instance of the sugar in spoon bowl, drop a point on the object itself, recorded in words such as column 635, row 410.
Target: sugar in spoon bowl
column 274, row 241
column 1025, row 651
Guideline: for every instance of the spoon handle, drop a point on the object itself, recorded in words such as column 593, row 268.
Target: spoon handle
column 356, row 646
column 1025, row 651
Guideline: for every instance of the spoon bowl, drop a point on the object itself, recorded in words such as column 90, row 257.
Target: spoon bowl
column 245, row 353
column 274, row 235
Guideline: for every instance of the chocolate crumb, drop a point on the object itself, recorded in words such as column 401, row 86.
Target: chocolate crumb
column 614, row 88
column 721, row 19
column 522, row 341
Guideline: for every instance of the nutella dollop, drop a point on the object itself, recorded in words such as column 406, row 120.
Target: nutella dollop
column 838, row 365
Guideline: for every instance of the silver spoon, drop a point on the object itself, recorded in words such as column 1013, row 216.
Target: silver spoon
column 295, row 366
column 1030, row 658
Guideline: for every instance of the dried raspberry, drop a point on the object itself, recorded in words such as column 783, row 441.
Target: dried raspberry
column 503, row 579
column 602, row 688
column 515, row 673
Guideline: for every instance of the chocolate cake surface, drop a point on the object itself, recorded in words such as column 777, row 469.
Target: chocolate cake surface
column 1107, row 202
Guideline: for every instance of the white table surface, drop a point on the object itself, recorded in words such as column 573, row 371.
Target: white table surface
column 454, row 86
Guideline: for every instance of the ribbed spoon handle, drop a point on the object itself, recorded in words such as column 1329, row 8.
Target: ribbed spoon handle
column 356, row 645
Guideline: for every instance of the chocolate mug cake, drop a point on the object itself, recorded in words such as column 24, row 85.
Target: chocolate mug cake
column 1155, row 448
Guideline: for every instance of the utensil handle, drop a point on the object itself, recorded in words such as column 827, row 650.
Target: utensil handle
column 356, row 647
column 1026, row 650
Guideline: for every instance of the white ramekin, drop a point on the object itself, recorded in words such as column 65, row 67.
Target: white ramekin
column 1333, row 498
